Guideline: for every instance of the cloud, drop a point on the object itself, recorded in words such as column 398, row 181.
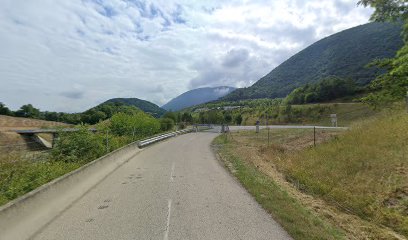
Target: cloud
column 152, row 50
column 73, row 94
column 235, row 57
column 222, row 91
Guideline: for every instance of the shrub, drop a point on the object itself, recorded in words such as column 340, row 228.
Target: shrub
column 166, row 124
column 82, row 145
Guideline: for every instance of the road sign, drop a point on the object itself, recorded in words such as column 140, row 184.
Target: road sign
column 333, row 119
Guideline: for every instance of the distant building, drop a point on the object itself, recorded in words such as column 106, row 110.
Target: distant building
column 231, row 107
column 201, row 110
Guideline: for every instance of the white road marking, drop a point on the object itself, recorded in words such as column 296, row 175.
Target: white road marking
column 166, row 232
column 172, row 172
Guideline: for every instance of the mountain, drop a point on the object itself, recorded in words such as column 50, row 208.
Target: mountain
column 344, row 54
column 143, row 105
column 197, row 96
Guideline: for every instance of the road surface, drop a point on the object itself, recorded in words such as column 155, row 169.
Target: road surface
column 175, row 189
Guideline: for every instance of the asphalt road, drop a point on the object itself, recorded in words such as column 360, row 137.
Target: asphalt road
column 175, row 189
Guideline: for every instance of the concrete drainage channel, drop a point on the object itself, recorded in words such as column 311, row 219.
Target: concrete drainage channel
column 25, row 216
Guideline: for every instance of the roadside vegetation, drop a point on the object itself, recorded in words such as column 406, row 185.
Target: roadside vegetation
column 363, row 172
column 22, row 170
column 276, row 111
column 299, row 221
column 356, row 181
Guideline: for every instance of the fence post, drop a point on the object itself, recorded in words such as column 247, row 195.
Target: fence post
column 314, row 136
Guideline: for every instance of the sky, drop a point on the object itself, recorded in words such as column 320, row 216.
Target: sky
column 72, row 55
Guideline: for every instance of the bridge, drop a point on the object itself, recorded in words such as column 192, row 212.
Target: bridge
column 33, row 134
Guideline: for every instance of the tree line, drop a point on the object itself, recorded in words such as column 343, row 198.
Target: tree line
column 325, row 90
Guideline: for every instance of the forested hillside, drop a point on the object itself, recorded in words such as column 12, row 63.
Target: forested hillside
column 344, row 54
column 143, row 105
column 197, row 96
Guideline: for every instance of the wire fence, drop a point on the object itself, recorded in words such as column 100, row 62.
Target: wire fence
column 291, row 137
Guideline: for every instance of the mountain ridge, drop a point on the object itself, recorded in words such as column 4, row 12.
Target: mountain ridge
column 344, row 54
column 143, row 105
column 197, row 96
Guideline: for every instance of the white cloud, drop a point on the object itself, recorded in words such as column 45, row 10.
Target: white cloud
column 71, row 55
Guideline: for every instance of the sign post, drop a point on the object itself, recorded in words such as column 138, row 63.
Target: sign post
column 257, row 126
column 333, row 120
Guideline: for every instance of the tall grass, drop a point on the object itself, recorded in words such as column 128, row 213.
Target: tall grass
column 19, row 175
column 364, row 171
column 297, row 220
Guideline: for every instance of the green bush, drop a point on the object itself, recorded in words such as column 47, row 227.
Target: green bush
column 139, row 125
column 82, row 145
column 166, row 124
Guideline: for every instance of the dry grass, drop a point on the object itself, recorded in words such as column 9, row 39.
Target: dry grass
column 357, row 181
column 17, row 123
column 364, row 172
column 11, row 141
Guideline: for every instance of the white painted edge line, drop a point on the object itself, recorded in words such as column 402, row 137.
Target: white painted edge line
column 166, row 231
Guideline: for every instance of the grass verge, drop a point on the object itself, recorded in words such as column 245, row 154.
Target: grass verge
column 356, row 180
column 297, row 220
column 363, row 172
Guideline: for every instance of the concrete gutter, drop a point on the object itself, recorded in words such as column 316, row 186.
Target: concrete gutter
column 23, row 217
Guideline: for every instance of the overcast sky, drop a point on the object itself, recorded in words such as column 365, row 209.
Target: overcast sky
column 69, row 55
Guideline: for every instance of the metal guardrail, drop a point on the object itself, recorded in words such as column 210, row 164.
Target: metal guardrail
column 152, row 140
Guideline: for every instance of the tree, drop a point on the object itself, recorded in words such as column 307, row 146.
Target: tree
column 227, row 118
column 186, row 117
column 171, row 115
column 166, row 124
column 28, row 111
column 238, row 119
column 4, row 110
column 393, row 85
column 386, row 10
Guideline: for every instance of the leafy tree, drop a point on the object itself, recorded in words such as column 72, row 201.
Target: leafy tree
column 228, row 118
column 171, row 115
column 81, row 145
column 186, row 117
column 327, row 89
column 238, row 119
column 28, row 111
column 393, row 85
column 139, row 124
column 4, row 110
column 166, row 124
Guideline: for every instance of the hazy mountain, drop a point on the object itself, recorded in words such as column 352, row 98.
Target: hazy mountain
column 197, row 96
column 143, row 105
column 344, row 54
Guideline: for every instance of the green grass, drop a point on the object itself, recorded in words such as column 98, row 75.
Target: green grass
column 297, row 220
column 19, row 175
